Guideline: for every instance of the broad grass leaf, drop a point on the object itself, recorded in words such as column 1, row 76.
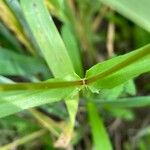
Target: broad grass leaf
column 18, row 100
column 50, row 42
column 48, row 38
column 13, row 102
column 118, row 70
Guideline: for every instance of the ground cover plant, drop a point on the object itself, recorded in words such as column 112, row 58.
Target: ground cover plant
column 74, row 74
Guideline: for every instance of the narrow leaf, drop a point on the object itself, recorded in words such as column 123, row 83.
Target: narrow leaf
column 47, row 36
column 118, row 70
column 72, row 48
column 141, row 101
column 15, row 101
column 137, row 12
column 100, row 135
column 49, row 40
column 18, row 64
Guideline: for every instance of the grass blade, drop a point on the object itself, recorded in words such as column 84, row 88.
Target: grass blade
column 100, row 135
column 21, row 65
column 132, row 102
column 15, row 101
column 119, row 70
column 73, row 49
column 48, row 38
column 137, row 12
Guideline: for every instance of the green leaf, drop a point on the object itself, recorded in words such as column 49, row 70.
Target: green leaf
column 72, row 48
column 21, row 65
column 141, row 37
column 17, row 10
column 109, row 94
column 48, row 38
column 137, row 12
column 16, row 101
column 100, row 135
column 130, row 88
column 141, row 101
column 118, row 70
column 28, row 95
column 10, row 37
column 57, row 8
column 122, row 113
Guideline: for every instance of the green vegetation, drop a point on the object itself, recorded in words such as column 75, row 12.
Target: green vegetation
column 74, row 74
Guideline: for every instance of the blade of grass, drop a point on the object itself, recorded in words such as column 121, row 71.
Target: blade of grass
column 13, row 102
column 10, row 37
column 99, row 133
column 18, row 64
column 136, row 12
column 56, row 8
column 119, row 70
column 16, row 101
column 48, row 38
column 133, row 102
column 72, row 48
column 67, row 134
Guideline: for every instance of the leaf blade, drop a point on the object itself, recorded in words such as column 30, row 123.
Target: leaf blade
column 100, row 136
column 48, row 38
column 119, row 69
column 137, row 12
